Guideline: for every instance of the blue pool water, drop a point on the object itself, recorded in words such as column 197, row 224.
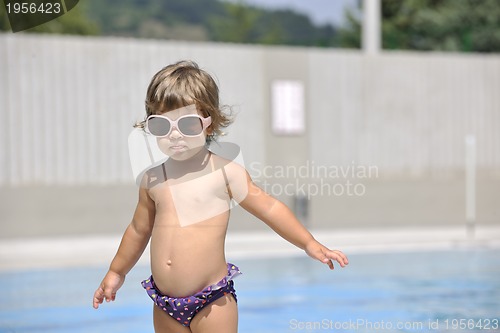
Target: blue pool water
column 437, row 291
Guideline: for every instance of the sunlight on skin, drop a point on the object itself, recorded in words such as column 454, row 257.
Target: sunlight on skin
column 192, row 175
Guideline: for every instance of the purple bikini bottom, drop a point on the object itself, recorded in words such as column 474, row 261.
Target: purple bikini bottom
column 183, row 309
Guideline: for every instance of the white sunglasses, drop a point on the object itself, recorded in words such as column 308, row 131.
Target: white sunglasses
column 189, row 125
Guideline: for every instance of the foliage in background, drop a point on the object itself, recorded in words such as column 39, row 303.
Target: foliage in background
column 205, row 20
column 193, row 20
column 430, row 25
column 75, row 22
column 239, row 23
column 433, row 25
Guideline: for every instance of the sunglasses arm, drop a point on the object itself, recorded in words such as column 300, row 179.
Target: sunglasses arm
column 206, row 121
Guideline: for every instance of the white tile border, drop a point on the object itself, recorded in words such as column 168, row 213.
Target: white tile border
column 99, row 250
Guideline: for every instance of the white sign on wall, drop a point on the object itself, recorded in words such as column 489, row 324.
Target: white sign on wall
column 287, row 98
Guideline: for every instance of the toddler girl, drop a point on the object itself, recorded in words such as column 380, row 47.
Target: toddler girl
column 183, row 208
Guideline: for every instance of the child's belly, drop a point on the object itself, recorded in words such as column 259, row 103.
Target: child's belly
column 185, row 260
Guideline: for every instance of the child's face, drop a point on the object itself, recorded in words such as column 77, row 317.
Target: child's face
column 177, row 144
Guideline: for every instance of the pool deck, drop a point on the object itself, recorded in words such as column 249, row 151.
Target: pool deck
column 73, row 251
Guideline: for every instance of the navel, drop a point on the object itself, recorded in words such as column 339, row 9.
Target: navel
column 169, row 262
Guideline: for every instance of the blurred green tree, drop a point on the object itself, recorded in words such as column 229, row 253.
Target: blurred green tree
column 236, row 24
column 433, row 25
column 75, row 22
column 201, row 20
column 243, row 24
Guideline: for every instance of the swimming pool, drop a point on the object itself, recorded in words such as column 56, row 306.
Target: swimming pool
column 395, row 292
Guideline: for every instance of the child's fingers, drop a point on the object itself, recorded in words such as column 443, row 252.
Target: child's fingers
column 341, row 258
column 325, row 255
column 337, row 256
column 112, row 296
column 102, row 294
column 109, row 294
column 328, row 262
column 98, row 297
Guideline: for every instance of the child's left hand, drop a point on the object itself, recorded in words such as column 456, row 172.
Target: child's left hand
column 316, row 250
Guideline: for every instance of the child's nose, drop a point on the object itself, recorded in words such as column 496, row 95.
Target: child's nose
column 175, row 133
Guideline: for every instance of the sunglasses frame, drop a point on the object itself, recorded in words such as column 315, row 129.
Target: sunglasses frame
column 174, row 123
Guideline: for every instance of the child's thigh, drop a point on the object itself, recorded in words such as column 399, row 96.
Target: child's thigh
column 220, row 316
column 163, row 323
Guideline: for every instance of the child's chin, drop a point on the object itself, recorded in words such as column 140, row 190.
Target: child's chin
column 179, row 157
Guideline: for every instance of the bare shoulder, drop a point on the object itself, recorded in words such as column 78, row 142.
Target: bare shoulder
column 236, row 176
column 231, row 168
column 154, row 176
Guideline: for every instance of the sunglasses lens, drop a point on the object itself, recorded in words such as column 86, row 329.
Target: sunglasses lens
column 158, row 126
column 190, row 125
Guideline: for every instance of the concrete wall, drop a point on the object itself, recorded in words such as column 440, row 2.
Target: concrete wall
column 68, row 104
column 87, row 210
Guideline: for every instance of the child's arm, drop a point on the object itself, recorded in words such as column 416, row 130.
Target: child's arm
column 281, row 219
column 133, row 243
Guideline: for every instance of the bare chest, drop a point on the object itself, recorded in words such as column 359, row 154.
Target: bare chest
column 184, row 202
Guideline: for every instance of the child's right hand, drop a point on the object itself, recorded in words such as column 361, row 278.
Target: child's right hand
column 108, row 288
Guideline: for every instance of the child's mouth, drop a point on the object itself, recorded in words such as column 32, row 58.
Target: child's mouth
column 178, row 147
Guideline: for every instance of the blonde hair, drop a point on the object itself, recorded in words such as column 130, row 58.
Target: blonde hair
column 182, row 84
